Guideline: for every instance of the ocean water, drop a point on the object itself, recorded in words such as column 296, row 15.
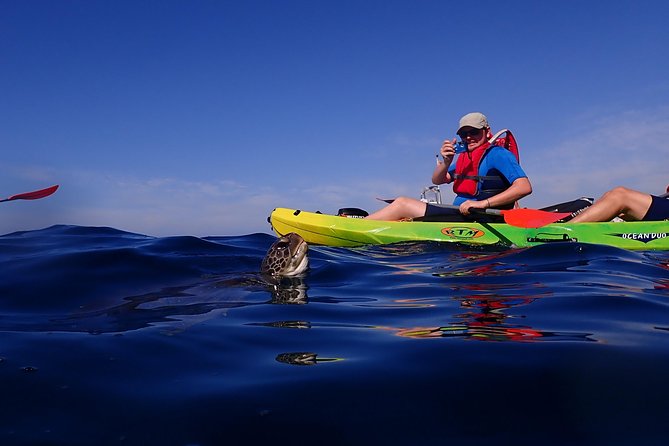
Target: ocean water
column 114, row 338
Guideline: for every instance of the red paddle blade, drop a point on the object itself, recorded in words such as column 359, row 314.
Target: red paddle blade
column 34, row 195
column 532, row 218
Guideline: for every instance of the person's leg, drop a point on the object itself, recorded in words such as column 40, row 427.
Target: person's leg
column 402, row 207
column 621, row 200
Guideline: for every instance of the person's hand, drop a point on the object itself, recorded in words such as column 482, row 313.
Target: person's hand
column 464, row 207
column 447, row 150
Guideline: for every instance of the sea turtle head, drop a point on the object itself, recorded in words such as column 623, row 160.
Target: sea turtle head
column 286, row 257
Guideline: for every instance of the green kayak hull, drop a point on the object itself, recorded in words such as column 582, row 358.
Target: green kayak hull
column 331, row 230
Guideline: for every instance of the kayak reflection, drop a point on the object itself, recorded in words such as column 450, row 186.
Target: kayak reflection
column 485, row 320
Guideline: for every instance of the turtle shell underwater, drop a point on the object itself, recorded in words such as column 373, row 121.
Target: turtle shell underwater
column 286, row 257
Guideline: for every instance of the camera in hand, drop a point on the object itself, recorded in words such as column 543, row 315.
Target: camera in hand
column 460, row 147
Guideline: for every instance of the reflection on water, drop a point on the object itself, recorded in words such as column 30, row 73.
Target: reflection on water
column 188, row 326
column 303, row 358
column 289, row 291
column 284, row 324
column 485, row 320
column 183, row 303
column 474, row 296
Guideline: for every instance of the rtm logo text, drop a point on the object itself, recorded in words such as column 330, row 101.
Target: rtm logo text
column 462, row 232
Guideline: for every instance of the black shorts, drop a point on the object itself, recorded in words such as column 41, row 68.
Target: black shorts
column 658, row 210
column 438, row 213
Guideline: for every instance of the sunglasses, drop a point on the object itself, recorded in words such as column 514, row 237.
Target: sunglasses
column 473, row 133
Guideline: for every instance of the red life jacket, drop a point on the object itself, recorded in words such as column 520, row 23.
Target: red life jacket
column 467, row 176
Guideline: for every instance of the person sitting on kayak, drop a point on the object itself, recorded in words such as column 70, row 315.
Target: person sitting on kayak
column 484, row 176
column 628, row 204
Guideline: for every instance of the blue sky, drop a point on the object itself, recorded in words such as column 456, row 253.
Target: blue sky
column 199, row 117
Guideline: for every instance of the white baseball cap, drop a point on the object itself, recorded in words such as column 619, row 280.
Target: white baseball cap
column 476, row 120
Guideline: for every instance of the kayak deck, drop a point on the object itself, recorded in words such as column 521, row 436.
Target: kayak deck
column 331, row 230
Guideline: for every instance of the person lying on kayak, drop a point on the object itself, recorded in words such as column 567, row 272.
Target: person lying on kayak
column 484, row 176
column 628, row 204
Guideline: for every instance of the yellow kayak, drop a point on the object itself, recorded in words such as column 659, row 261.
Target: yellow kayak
column 332, row 230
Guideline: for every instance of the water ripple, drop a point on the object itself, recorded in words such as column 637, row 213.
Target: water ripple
column 139, row 329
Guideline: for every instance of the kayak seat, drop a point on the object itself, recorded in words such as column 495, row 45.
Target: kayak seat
column 453, row 215
column 575, row 207
column 352, row 213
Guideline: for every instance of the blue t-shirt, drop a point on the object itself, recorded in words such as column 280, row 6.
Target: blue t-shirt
column 497, row 162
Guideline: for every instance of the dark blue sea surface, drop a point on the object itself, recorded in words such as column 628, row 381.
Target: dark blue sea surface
column 114, row 338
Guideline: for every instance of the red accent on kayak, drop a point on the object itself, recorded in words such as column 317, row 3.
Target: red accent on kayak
column 531, row 218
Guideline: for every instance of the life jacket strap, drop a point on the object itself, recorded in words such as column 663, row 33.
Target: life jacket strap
column 477, row 177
